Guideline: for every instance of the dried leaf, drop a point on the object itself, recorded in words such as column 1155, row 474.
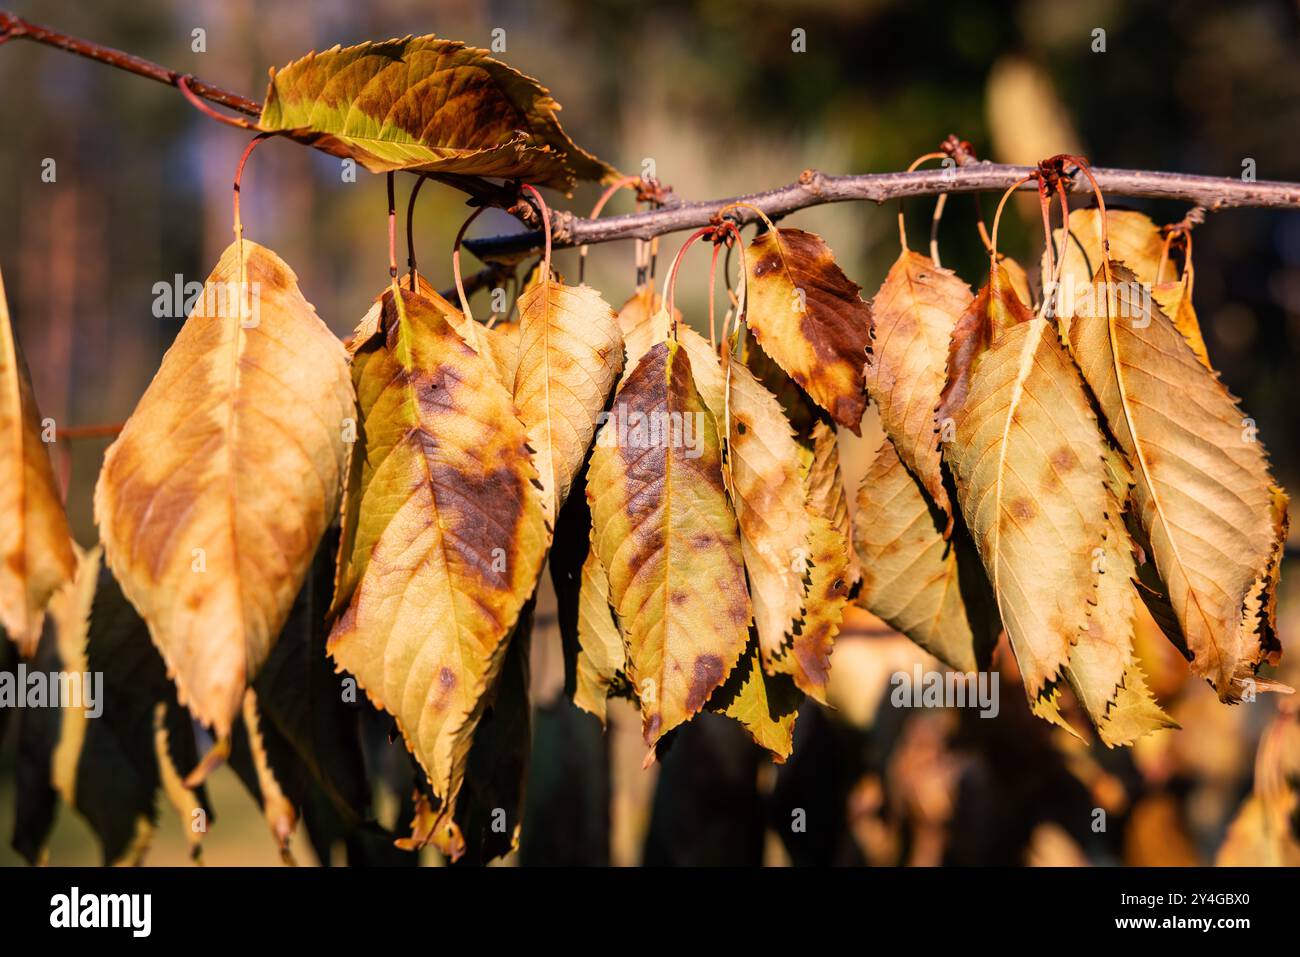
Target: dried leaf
column 426, row 104
column 666, row 535
column 767, row 491
column 601, row 656
column 1175, row 301
column 1203, row 496
column 825, row 485
column 570, row 356
column 239, row 406
column 928, row 587
column 36, row 556
column 914, row 312
column 643, row 322
column 765, row 706
column 808, row 316
column 1027, row 456
column 443, row 538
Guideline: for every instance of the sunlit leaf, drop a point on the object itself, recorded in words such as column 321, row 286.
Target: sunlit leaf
column 443, row 537
column 570, row 355
column 426, row 104
column 1203, row 494
column 665, row 533
column 808, row 316
column 914, row 312
column 214, row 497
column 35, row 545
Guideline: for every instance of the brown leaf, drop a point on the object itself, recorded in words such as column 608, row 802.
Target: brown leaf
column 808, row 316
column 426, row 104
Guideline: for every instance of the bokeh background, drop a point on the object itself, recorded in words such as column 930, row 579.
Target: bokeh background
column 713, row 94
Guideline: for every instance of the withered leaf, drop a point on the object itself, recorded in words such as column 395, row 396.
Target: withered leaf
column 601, row 655
column 36, row 556
column 914, row 312
column 570, row 355
column 443, row 537
column 928, row 587
column 665, row 533
column 1203, row 494
column 426, row 104
column 252, row 396
column 765, row 706
column 807, row 315
column 1027, row 456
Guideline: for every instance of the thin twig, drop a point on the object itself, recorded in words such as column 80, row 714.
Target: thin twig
column 812, row 189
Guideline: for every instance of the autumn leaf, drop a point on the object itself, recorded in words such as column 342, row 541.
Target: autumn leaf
column 643, row 321
column 765, row 706
column 252, row 397
column 767, row 491
column 1027, row 456
column 570, row 355
column 666, row 536
column 602, row 658
column 828, row 572
column 820, row 457
column 929, row 587
column 1102, row 670
column 36, row 557
column 807, row 315
column 914, row 312
column 1175, row 301
column 443, row 537
column 430, row 105
column 1135, row 241
column 1203, row 495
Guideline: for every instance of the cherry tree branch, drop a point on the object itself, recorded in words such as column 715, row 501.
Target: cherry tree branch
column 812, row 189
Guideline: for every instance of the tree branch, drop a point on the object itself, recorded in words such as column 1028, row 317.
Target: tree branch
column 815, row 189
column 812, row 189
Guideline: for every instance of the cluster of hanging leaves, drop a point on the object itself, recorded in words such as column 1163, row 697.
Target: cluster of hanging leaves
column 1042, row 474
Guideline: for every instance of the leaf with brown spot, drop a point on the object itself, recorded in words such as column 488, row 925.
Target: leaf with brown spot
column 430, row 105
column 36, row 556
column 664, row 531
column 767, row 492
column 570, row 355
column 214, row 497
column 1027, row 455
column 930, row 588
column 443, row 537
column 914, row 312
column 1203, row 493
column 825, row 486
column 808, row 316
column 807, row 657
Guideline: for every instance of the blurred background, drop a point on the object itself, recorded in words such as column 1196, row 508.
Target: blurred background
column 714, row 95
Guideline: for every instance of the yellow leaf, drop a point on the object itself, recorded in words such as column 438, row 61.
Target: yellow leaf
column 1175, row 301
column 765, row 706
column 36, row 556
column 213, row 499
column 570, row 356
column 1135, row 241
column 807, row 658
column 929, row 588
column 825, row 485
column 807, row 315
column 666, row 535
column 643, row 322
column 767, row 491
column 70, row 612
column 914, row 312
column 1027, row 456
column 1203, row 494
column 601, row 655
column 443, row 537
